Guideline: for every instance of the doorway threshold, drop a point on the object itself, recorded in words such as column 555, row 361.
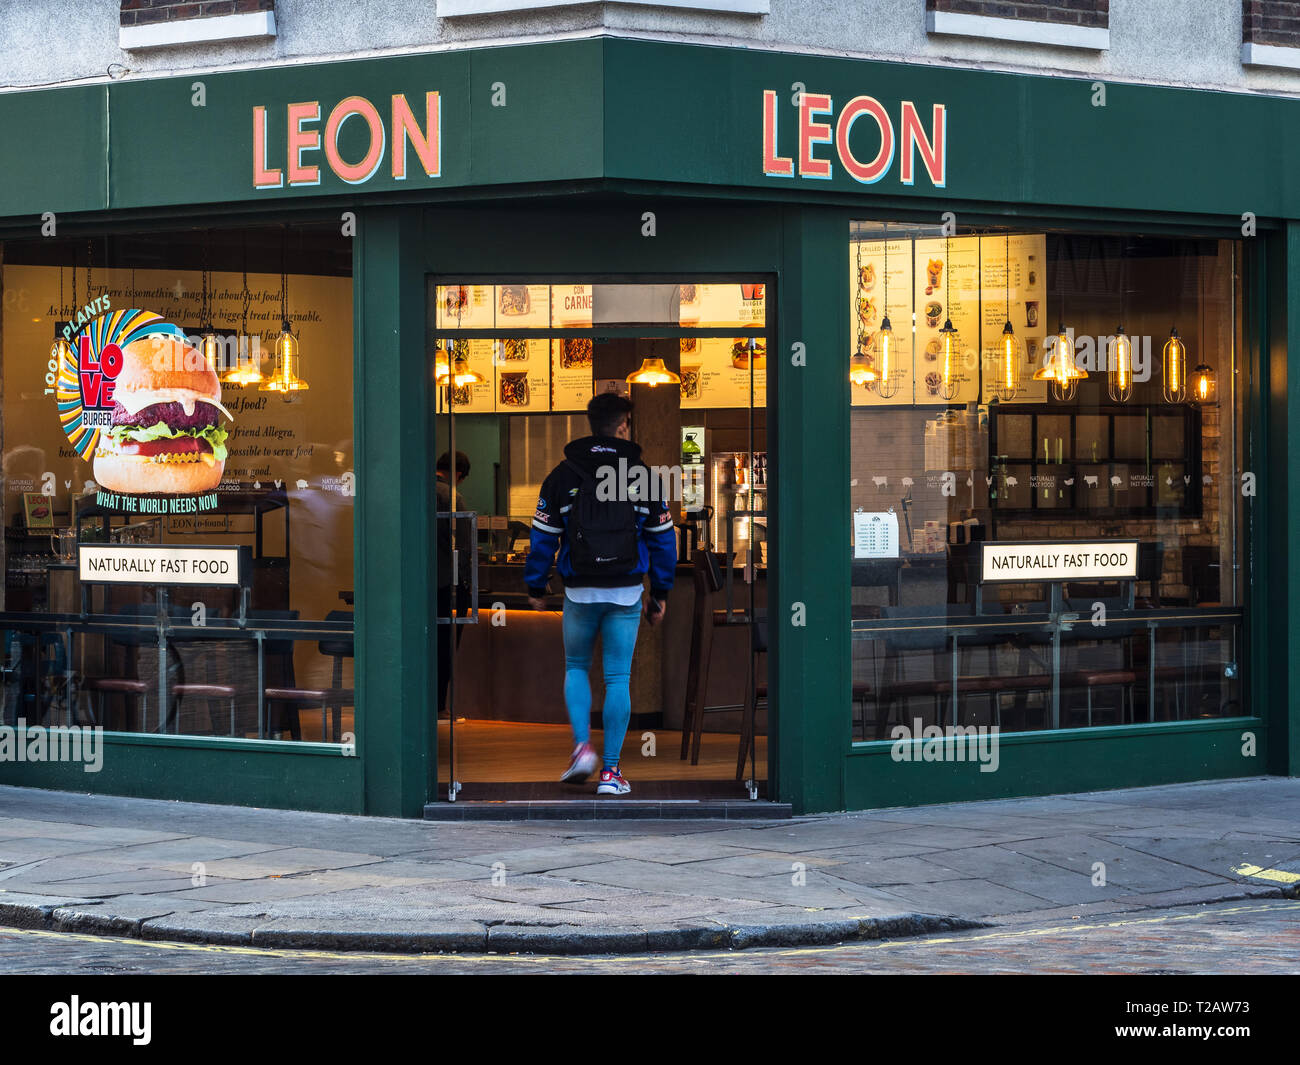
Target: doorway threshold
column 610, row 809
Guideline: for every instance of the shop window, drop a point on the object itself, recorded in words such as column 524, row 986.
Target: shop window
column 1048, row 520
column 178, row 483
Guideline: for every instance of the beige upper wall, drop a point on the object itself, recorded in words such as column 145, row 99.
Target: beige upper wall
column 1181, row 42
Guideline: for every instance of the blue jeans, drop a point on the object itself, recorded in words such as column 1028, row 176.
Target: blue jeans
column 617, row 626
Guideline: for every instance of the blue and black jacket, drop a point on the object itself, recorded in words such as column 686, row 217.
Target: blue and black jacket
column 657, row 553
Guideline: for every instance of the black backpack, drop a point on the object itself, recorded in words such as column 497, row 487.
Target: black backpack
column 602, row 533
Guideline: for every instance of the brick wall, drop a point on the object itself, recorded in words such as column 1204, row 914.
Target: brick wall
column 1271, row 22
column 1092, row 13
column 146, row 12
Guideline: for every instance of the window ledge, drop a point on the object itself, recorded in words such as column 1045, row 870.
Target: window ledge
column 462, row 8
column 250, row 25
column 1022, row 31
column 1270, row 55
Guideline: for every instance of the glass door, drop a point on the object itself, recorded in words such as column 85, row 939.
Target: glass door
column 518, row 364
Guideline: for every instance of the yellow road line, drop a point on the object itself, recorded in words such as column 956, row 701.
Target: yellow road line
column 875, row 944
column 1279, row 876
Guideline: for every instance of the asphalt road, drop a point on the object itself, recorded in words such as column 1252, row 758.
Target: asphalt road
column 1256, row 937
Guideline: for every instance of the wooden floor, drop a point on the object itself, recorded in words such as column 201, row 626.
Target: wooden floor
column 504, row 752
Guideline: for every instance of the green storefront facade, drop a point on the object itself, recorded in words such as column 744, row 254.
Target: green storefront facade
column 611, row 157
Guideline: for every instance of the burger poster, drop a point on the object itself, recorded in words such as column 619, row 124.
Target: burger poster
column 140, row 403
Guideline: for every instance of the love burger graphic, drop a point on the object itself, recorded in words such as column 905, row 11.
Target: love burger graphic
column 137, row 399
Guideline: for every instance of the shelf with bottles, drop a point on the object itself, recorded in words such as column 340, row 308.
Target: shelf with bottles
column 738, row 486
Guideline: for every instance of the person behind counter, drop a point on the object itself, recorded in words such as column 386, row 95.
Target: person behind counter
column 607, row 543
column 443, row 491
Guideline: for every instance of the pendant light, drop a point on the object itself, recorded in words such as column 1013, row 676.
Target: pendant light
column 888, row 375
column 1174, row 363
column 948, row 335
column 1006, row 368
column 461, row 374
column 1203, row 384
column 1059, row 366
column 1119, row 367
column 62, row 351
column 284, row 377
column 1119, row 350
column 249, row 373
column 209, row 344
column 653, row 372
column 860, row 369
column 441, row 363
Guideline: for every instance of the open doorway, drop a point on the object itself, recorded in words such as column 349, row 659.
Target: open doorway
column 516, row 364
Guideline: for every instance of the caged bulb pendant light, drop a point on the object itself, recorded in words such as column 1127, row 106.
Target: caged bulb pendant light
column 861, row 372
column 1119, row 368
column 948, row 335
column 1006, row 356
column 888, row 374
column 1173, row 360
column 1059, row 366
column 284, row 379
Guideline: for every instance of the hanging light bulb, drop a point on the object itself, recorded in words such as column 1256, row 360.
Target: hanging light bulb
column 653, row 372
column 951, row 341
column 284, row 379
column 1203, row 384
column 1059, row 366
column 441, row 364
column 249, row 372
column 1174, row 364
column 1005, row 375
column 211, row 347
column 461, row 373
column 1006, row 371
column 1119, row 367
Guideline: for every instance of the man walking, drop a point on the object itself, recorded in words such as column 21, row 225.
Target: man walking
column 596, row 510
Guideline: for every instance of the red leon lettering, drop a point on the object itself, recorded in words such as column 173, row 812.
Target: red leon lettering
column 773, row 165
column 933, row 150
column 810, row 133
column 867, row 173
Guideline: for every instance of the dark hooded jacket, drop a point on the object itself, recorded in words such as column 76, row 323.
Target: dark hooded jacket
column 657, row 542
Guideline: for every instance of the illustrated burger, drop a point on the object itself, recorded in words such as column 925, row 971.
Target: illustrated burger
column 165, row 437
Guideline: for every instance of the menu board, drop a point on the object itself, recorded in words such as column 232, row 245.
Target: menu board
column 946, row 287
column 1025, row 255
column 523, row 306
column 868, row 307
column 717, row 306
column 571, row 306
column 471, row 398
column 523, row 375
column 466, row 306
column 961, row 279
column 716, row 372
column 571, row 372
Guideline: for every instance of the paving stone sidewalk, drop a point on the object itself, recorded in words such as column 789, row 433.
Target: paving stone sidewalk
column 184, row 871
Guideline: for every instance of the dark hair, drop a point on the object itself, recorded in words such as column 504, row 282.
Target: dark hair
column 606, row 412
column 462, row 462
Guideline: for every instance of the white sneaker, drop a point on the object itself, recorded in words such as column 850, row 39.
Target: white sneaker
column 612, row 783
column 584, row 762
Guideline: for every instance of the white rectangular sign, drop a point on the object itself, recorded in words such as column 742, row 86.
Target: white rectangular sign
column 875, row 535
column 1096, row 560
column 142, row 564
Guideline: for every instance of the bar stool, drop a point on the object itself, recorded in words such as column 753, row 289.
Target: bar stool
column 331, row 699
